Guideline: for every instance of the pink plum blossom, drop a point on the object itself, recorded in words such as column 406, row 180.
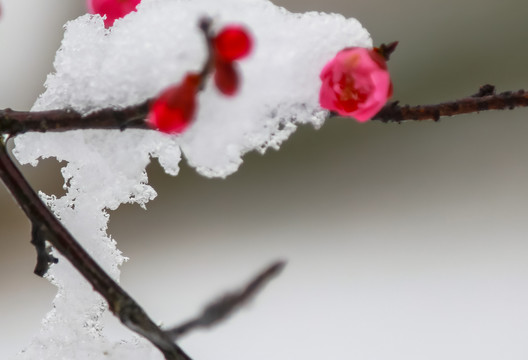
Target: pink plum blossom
column 356, row 83
column 113, row 9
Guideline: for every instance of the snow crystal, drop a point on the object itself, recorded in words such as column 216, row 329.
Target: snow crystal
column 134, row 60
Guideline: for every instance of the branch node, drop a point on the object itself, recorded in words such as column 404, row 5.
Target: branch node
column 44, row 257
column 436, row 115
column 485, row 90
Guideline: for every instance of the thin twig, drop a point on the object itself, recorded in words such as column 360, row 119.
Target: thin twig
column 486, row 99
column 224, row 306
column 46, row 227
column 119, row 302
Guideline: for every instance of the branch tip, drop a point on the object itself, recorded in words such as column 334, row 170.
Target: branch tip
column 226, row 305
column 386, row 50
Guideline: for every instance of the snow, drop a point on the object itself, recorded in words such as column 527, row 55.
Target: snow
column 130, row 62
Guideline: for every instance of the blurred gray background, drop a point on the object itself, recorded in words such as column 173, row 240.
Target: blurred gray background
column 404, row 241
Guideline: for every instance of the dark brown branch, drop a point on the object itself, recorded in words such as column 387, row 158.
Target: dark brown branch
column 48, row 227
column 18, row 122
column 223, row 307
column 132, row 117
column 485, row 99
column 45, row 225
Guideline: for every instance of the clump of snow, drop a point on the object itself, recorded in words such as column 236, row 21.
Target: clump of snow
column 132, row 61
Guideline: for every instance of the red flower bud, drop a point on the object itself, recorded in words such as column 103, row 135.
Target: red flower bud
column 174, row 109
column 226, row 77
column 232, row 43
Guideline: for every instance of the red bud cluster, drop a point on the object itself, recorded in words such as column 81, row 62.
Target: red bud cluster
column 231, row 44
column 174, row 109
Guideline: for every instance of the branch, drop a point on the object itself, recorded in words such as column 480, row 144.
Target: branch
column 18, row 122
column 45, row 225
column 485, row 99
column 132, row 117
column 223, row 307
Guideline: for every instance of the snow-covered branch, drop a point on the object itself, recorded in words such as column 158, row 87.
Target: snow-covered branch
column 107, row 79
column 133, row 117
column 119, row 302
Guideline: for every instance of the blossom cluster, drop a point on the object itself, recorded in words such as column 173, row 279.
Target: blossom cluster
column 173, row 110
column 355, row 83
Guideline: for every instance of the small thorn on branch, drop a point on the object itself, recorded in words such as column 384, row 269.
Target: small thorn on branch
column 386, row 50
column 44, row 257
column 224, row 306
column 485, row 90
column 205, row 24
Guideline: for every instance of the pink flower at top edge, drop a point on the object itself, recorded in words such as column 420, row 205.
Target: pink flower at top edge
column 356, row 83
column 113, row 9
